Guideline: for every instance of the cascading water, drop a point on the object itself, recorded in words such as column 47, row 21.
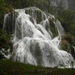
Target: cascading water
column 33, row 39
column 73, row 51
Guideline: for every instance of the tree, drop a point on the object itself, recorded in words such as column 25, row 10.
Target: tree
column 2, row 8
column 67, row 19
column 5, row 43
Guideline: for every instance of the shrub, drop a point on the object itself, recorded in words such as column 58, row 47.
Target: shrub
column 5, row 43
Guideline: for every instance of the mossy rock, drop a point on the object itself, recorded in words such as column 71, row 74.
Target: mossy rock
column 70, row 38
column 67, row 43
column 53, row 27
column 37, row 15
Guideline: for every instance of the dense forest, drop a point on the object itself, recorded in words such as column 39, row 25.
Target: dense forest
column 65, row 16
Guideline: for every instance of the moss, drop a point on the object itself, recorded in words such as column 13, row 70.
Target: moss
column 66, row 46
column 53, row 27
column 68, row 37
column 10, row 8
column 67, row 42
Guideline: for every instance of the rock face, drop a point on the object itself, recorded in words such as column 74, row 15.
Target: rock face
column 64, row 3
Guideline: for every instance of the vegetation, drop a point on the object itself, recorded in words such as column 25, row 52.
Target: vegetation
column 2, row 8
column 53, row 28
column 68, row 43
column 69, row 38
column 67, row 19
column 5, row 43
column 16, row 68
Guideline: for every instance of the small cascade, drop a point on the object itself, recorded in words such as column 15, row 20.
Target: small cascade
column 73, row 52
column 9, row 22
column 5, row 21
column 74, row 48
column 33, row 39
column 60, row 28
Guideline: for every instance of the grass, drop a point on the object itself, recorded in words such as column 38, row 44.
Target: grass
column 16, row 68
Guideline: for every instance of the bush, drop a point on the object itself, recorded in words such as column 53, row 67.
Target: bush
column 5, row 43
column 67, row 19
column 68, row 44
column 2, row 8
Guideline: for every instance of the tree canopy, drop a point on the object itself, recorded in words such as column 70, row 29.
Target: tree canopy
column 67, row 19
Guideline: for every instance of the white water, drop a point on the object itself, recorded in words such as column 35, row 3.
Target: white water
column 5, row 17
column 34, row 44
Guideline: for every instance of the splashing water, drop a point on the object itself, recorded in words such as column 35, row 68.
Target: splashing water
column 33, row 43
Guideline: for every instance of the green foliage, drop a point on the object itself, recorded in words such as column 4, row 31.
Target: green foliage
column 10, row 8
column 16, row 68
column 5, row 42
column 42, row 4
column 65, row 45
column 69, row 38
column 2, row 4
column 53, row 28
column 2, row 8
column 24, row 3
column 67, row 42
column 52, row 10
column 67, row 19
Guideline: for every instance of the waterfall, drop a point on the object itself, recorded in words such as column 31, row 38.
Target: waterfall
column 33, row 39
column 60, row 28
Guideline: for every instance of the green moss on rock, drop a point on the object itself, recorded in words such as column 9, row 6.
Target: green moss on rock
column 69, row 38
column 65, row 45
column 67, row 42
column 53, row 27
